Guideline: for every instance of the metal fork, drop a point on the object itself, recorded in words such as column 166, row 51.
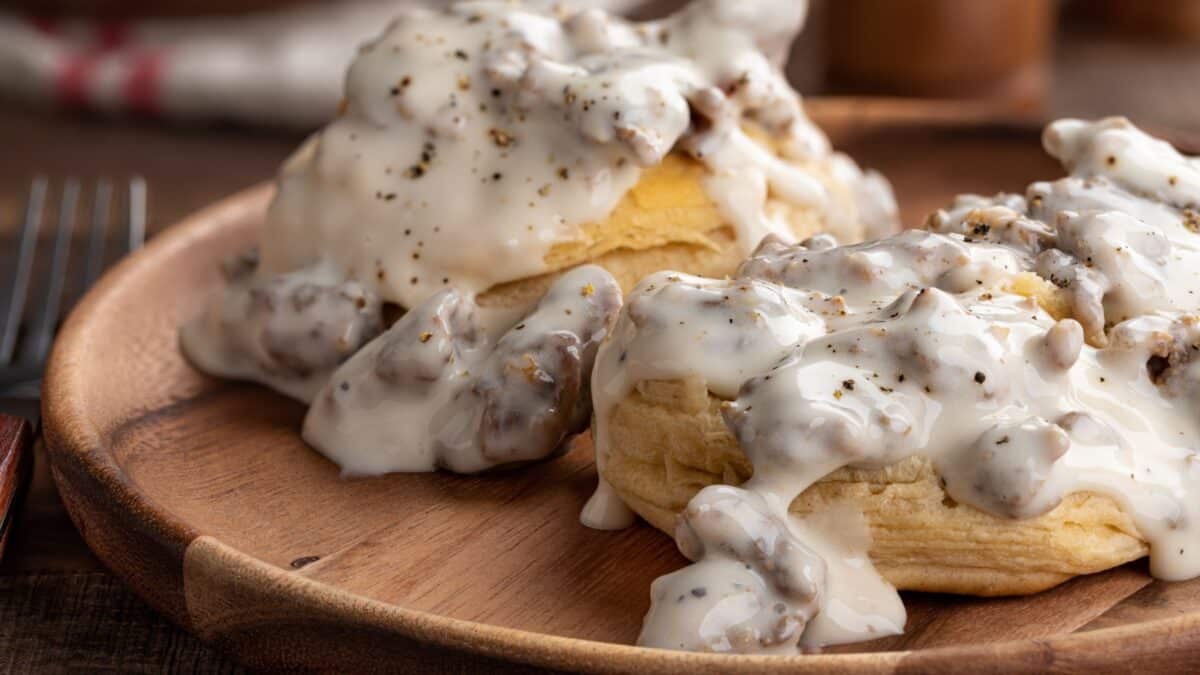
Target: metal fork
column 29, row 320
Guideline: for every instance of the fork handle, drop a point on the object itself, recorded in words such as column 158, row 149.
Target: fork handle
column 16, row 450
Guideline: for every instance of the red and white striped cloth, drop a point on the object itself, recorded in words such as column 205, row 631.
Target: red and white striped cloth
column 280, row 68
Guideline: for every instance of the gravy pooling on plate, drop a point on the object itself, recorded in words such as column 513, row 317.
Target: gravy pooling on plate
column 437, row 390
column 1029, row 346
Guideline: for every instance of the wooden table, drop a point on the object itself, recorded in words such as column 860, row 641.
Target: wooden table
column 58, row 608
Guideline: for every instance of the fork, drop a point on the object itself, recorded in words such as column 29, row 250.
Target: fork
column 27, row 328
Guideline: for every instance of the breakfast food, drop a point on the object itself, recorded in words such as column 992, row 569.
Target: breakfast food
column 484, row 151
column 990, row 405
column 434, row 390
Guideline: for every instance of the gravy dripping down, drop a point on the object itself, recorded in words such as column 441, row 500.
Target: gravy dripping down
column 920, row 343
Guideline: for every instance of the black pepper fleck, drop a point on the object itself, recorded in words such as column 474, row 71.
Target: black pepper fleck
column 500, row 137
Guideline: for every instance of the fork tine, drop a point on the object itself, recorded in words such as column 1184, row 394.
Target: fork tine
column 137, row 213
column 99, row 227
column 26, row 249
column 37, row 344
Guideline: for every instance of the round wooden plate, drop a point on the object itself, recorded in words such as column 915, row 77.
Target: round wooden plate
column 202, row 497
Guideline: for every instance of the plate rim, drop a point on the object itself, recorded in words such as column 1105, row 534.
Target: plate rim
column 90, row 479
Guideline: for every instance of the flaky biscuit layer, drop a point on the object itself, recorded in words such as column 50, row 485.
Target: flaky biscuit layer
column 667, row 441
column 666, row 221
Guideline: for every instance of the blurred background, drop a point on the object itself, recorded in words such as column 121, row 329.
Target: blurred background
column 279, row 62
column 207, row 97
column 204, row 98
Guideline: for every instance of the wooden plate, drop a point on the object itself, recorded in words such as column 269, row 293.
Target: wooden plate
column 202, row 497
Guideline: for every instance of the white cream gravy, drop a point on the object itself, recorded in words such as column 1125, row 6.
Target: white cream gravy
column 476, row 137
column 863, row 355
column 443, row 389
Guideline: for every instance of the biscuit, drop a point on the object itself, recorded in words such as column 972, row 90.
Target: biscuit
column 666, row 221
column 668, row 440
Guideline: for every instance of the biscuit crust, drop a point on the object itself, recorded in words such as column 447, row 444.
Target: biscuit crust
column 666, row 221
column 667, row 441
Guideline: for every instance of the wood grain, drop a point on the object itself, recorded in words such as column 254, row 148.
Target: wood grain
column 88, row 622
column 15, row 456
column 200, row 495
column 940, row 621
column 60, row 609
column 1157, row 600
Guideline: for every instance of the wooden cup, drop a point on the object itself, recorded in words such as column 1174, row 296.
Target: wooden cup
column 984, row 49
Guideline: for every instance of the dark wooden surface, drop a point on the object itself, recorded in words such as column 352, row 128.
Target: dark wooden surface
column 58, row 608
column 87, row 622
column 15, row 457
